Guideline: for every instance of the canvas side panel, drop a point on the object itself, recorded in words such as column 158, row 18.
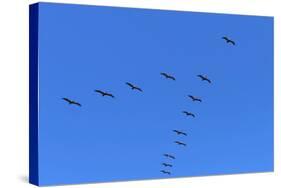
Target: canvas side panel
column 33, row 94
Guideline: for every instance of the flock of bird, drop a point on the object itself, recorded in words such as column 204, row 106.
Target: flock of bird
column 194, row 99
column 166, row 165
column 178, row 132
column 134, row 87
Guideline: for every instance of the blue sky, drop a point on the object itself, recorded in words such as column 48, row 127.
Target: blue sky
column 83, row 48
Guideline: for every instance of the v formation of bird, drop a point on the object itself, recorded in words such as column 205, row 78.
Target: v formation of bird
column 187, row 113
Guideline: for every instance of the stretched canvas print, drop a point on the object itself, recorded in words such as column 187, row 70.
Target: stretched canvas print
column 120, row 94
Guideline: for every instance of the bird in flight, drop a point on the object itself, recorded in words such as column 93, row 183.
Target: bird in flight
column 188, row 113
column 227, row 40
column 71, row 101
column 133, row 86
column 169, row 156
column 168, row 76
column 180, row 132
column 204, row 78
column 167, row 165
column 194, row 98
column 104, row 93
column 165, row 172
column 180, row 143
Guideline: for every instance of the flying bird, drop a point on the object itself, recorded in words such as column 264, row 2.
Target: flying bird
column 194, row 98
column 169, row 156
column 180, row 143
column 180, row 132
column 204, row 78
column 227, row 40
column 188, row 113
column 165, row 172
column 168, row 76
column 71, row 101
column 167, row 165
column 133, row 86
column 104, row 93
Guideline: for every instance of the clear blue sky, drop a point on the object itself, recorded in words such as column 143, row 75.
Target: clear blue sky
column 83, row 48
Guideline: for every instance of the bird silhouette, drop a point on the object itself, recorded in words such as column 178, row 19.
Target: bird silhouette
column 188, row 113
column 165, row 172
column 180, row 132
column 133, row 86
column 204, row 78
column 104, row 93
column 72, row 102
column 167, row 165
column 194, row 98
column 227, row 40
column 168, row 76
column 180, row 143
column 169, row 156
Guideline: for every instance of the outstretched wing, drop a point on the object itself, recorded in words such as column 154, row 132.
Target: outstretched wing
column 180, row 143
column 231, row 42
column 66, row 99
column 225, row 38
column 129, row 84
column 185, row 112
column 165, row 164
column 78, row 104
column 99, row 91
column 137, row 88
column 190, row 96
column 208, row 80
column 200, row 76
column 198, row 99
column 109, row 94
column 172, row 157
column 180, row 132
column 171, row 77
column 164, row 74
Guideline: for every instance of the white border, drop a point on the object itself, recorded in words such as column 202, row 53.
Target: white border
column 14, row 90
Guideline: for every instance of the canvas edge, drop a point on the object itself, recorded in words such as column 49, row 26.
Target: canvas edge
column 33, row 94
column 148, row 8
